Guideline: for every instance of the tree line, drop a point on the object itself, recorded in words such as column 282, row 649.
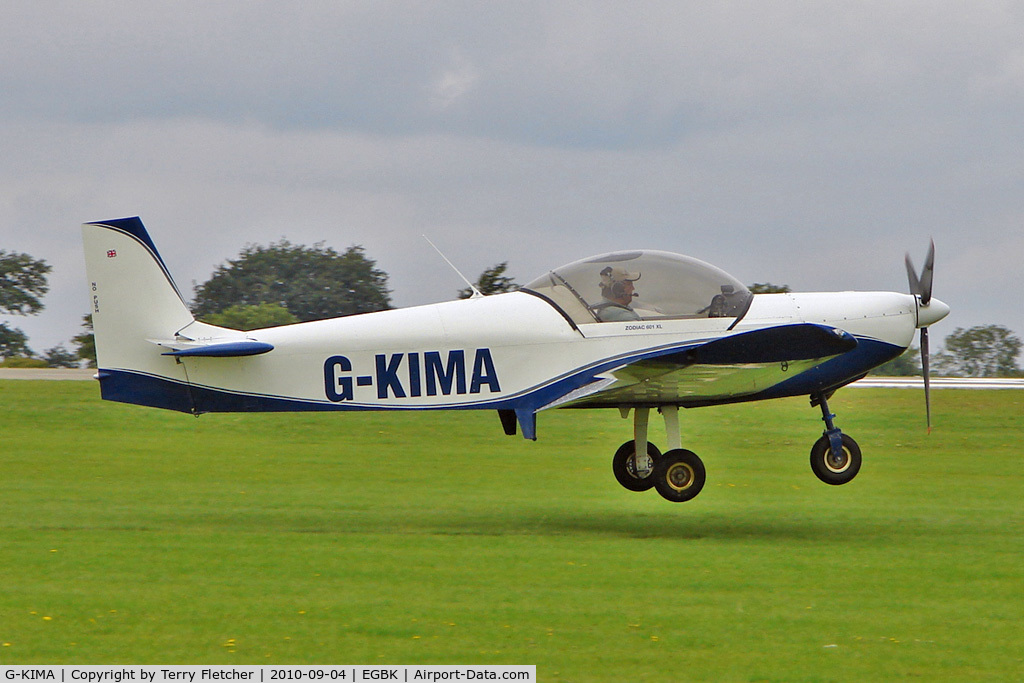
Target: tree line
column 22, row 288
column 284, row 283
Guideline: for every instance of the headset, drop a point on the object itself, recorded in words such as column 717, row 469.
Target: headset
column 616, row 288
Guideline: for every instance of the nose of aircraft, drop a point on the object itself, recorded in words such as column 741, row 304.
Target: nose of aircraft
column 932, row 313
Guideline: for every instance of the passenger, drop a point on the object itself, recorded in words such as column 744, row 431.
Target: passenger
column 617, row 294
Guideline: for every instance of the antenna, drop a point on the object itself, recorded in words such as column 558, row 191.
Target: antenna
column 476, row 292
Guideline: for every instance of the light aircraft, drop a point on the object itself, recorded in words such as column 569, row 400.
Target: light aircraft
column 632, row 330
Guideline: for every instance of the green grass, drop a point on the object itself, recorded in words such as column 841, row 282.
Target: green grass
column 130, row 535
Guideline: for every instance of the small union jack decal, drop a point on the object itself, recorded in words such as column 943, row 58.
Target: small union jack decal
column 112, row 253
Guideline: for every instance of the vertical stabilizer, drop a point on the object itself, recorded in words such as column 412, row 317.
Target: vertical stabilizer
column 132, row 298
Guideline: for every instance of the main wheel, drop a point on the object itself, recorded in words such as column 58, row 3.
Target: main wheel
column 624, row 465
column 679, row 475
column 832, row 469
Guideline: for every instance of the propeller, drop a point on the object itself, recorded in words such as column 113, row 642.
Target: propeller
column 921, row 287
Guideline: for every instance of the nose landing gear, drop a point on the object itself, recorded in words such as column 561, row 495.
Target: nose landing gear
column 835, row 457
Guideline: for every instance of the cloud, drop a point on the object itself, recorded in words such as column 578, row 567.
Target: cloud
column 794, row 142
column 453, row 83
column 593, row 74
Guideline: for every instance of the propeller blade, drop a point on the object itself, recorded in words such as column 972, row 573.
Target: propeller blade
column 926, row 275
column 921, row 287
column 915, row 284
column 927, row 378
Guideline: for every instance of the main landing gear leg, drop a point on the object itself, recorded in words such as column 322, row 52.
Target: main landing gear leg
column 633, row 472
column 835, row 457
column 678, row 475
column 641, row 420
column 671, row 415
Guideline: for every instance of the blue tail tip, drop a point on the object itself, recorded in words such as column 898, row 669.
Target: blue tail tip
column 132, row 226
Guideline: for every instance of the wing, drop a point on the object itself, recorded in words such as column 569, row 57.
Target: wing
column 726, row 369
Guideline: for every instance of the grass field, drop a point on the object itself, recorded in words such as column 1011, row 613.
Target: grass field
column 130, row 535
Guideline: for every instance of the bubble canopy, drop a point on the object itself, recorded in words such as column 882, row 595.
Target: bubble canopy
column 642, row 285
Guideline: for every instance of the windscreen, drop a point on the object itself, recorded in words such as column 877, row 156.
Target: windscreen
column 642, row 285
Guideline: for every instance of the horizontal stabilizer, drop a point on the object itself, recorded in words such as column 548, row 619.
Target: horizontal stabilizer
column 233, row 349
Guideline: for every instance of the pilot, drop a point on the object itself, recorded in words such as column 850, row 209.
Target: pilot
column 617, row 294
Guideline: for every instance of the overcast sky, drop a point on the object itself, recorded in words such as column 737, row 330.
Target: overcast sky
column 804, row 143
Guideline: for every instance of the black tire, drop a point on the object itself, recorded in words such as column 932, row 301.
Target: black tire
column 831, row 470
column 624, row 466
column 679, row 475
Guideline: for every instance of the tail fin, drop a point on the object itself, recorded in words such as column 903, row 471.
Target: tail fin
column 133, row 301
column 144, row 331
column 133, row 295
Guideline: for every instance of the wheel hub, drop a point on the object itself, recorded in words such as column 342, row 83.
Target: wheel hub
column 680, row 476
column 640, row 466
column 837, row 462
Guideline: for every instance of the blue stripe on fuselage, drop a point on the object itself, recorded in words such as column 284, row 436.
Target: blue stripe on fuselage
column 159, row 392
column 837, row 372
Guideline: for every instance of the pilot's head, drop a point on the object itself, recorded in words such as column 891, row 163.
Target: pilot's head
column 617, row 284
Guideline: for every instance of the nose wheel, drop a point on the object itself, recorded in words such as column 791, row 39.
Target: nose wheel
column 835, row 468
column 835, row 457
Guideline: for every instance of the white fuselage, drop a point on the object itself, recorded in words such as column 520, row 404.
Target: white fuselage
column 480, row 352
